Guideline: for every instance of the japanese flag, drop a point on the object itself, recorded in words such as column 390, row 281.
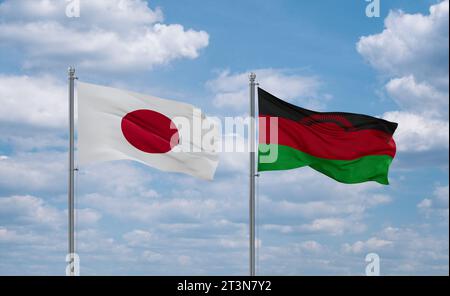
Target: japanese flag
column 171, row 136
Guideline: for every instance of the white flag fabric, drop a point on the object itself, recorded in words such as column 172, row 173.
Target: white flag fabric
column 116, row 124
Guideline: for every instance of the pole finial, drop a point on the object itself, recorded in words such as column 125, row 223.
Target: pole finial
column 252, row 77
column 71, row 71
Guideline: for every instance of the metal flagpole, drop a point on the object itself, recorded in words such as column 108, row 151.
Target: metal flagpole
column 252, row 137
column 71, row 215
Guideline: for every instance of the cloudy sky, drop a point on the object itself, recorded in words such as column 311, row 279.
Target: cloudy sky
column 133, row 219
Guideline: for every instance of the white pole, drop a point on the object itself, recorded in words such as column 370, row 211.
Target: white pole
column 71, row 206
column 252, row 137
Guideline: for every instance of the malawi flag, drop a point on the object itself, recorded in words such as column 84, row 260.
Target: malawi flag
column 348, row 147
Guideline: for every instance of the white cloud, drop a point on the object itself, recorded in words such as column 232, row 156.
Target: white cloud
column 117, row 179
column 34, row 113
column 138, row 237
column 377, row 199
column 92, row 242
column 371, row 245
column 285, row 229
column 419, row 133
column 231, row 89
column 109, row 35
column 87, row 216
column 234, row 161
column 234, row 242
column 35, row 211
column 419, row 97
column 35, row 172
column 128, row 191
column 404, row 250
column 333, row 226
column 437, row 205
column 36, row 101
column 311, row 203
column 410, row 43
column 442, row 196
column 24, row 139
column 311, row 194
column 311, row 209
column 413, row 53
column 419, row 251
column 312, row 246
column 147, row 210
column 425, row 204
column 151, row 256
column 12, row 236
column 121, row 13
column 30, row 210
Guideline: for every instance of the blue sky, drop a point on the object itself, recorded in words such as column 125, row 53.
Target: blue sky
column 133, row 219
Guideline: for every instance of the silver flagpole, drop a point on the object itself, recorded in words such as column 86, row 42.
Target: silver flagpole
column 71, row 215
column 252, row 137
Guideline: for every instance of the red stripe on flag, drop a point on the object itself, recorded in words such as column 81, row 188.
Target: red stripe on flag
column 327, row 139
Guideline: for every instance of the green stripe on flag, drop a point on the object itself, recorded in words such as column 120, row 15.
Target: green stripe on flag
column 367, row 168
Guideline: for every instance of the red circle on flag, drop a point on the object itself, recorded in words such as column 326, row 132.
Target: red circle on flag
column 150, row 131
